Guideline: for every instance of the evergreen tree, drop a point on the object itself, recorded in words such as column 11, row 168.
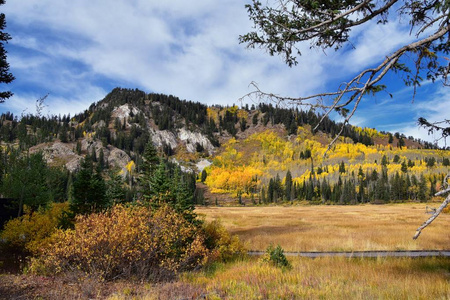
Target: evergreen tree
column 25, row 181
column 203, row 176
column 404, row 167
column 445, row 162
column 115, row 190
column 288, row 186
column 5, row 75
column 89, row 190
column 148, row 167
column 101, row 159
column 184, row 196
column 422, row 193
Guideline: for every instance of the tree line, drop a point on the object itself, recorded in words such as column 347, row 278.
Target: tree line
column 363, row 187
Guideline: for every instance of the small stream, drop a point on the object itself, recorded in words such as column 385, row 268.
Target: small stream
column 410, row 253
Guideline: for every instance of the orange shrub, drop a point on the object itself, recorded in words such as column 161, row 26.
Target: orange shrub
column 127, row 242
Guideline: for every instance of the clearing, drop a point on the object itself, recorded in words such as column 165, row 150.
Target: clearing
column 334, row 228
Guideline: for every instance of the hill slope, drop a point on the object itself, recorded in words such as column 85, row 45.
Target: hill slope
column 251, row 150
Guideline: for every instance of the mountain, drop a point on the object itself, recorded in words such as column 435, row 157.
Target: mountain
column 247, row 152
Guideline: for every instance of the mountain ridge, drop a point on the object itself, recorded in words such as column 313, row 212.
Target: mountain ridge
column 117, row 128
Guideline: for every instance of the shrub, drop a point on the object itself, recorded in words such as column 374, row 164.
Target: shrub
column 275, row 256
column 446, row 210
column 31, row 232
column 126, row 242
column 221, row 243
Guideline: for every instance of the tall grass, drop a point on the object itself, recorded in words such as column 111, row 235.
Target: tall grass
column 333, row 228
column 323, row 278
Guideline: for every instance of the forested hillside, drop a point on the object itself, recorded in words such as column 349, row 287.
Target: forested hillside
column 257, row 154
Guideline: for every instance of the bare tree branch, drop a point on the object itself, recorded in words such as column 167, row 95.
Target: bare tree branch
column 439, row 210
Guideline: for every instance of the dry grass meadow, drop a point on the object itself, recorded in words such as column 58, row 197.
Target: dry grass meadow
column 334, row 228
column 295, row 228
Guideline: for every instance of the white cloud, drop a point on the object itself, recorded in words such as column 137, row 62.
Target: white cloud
column 25, row 103
column 77, row 50
column 183, row 48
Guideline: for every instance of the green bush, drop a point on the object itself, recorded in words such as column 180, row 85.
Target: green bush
column 275, row 256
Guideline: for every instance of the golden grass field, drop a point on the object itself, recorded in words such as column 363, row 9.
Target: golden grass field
column 334, row 228
column 295, row 228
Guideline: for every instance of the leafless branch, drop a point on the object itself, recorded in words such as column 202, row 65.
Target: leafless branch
column 359, row 86
column 439, row 210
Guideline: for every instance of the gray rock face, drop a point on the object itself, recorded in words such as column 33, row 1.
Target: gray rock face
column 123, row 113
column 59, row 153
column 202, row 164
column 191, row 139
column 117, row 158
column 161, row 137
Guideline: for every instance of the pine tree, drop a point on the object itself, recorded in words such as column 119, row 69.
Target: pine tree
column 445, row 162
column 422, row 193
column 203, row 176
column 5, row 75
column 89, row 190
column 404, row 167
column 115, row 191
column 288, row 186
column 148, row 167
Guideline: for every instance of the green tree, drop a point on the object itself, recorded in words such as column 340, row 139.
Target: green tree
column 5, row 75
column 203, row 175
column 422, row 193
column 148, row 167
column 446, row 162
column 89, row 190
column 404, row 167
column 431, row 162
column 390, row 138
column 115, row 190
column 288, row 186
column 25, row 180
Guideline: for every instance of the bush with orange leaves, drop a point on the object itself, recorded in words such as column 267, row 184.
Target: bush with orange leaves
column 126, row 242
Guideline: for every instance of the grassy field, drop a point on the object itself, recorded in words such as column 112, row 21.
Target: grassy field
column 297, row 228
column 334, row 228
column 321, row 278
column 329, row 278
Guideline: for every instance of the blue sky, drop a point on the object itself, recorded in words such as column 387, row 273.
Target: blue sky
column 78, row 51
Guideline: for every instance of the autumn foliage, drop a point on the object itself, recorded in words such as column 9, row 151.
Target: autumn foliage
column 128, row 242
column 32, row 231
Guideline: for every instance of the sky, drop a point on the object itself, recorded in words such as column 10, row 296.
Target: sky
column 78, row 51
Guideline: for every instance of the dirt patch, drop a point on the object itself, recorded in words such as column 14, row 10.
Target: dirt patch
column 56, row 288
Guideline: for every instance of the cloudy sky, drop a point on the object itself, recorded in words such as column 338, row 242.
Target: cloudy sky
column 78, row 51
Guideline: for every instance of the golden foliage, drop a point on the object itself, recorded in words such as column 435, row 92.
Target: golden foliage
column 31, row 232
column 133, row 242
column 262, row 155
column 125, row 242
column 224, row 246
